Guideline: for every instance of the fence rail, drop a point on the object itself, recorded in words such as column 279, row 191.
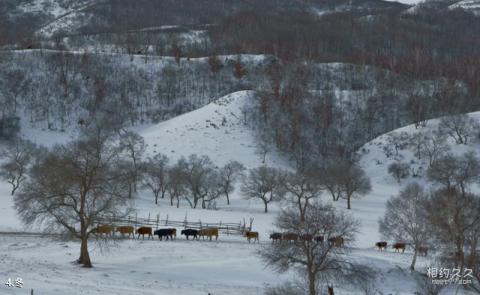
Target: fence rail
column 224, row 227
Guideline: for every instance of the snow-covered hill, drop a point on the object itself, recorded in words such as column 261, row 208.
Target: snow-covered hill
column 468, row 5
column 472, row 6
column 219, row 130
column 229, row 266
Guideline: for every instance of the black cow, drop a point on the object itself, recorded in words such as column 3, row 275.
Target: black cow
column 167, row 233
column 190, row 232
column 276, row 237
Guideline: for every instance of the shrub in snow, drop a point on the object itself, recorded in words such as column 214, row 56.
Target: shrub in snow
column 399, row 170
column 9, row 127
column 459, row 127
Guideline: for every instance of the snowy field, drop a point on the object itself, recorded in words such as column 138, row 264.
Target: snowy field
column 227, row 266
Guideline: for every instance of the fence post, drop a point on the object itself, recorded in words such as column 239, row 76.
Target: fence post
column 158, row 219
column 136, row 219
column 166, row 221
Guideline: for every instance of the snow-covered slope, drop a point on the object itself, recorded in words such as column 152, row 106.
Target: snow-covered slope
column 376, row 163
column 229, row 266
column 468, row 5
column 218, row 130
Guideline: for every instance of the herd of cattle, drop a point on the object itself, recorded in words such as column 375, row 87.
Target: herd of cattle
column 382, row 246
column 167, row 233
column 210, row 233
column 293, row 237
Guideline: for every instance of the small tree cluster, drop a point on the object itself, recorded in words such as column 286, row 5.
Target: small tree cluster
column 429, row 144
column 448, row 216
column 345, row 180
column 459, row 127
column 195, row 179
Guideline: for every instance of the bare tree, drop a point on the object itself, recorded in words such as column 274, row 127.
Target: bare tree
column 301, row 189
column 156, row 176
column 433, row 146
column 455, row 221
column 451, row 171
column 229, row 174
column 177, row 186
column 354, row 183
column 406, row 219
column 263, row 183
column 18, row 155
column 398, row 141
column 74, row 186
column 399, row 170
column 197, row 172
column 331, row 178
column 134, row 146
column 16, row 84
column 264, row 144
column 459, row 127
column 425, row 285
column 316, row 261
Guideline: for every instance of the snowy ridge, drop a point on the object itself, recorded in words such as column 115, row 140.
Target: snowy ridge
column 468, row 5
column 218, row 130
column 229, row 266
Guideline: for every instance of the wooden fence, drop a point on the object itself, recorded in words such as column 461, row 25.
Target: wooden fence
column 156, row 222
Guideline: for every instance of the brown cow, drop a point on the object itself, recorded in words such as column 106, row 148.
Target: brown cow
column 336, row 241
column 145, row 230
column 399, row 246
column 104, row 229
column 381, row 245
column 276, row 237
column 174, row 233
column 251, row 235
column 290, row 237
column 209, row 233
column 125, row 230
column 423, row 250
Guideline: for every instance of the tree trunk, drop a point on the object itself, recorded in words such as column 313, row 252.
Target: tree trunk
column 312, row 285
column 330, row 290
column 84, row 256
column 349, row 205
column 414, row 260
column 228, row 199
column 266, row 206
column 14, row 189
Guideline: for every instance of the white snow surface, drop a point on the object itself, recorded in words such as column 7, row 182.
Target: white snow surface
column 412, row 2
column 227, row 266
